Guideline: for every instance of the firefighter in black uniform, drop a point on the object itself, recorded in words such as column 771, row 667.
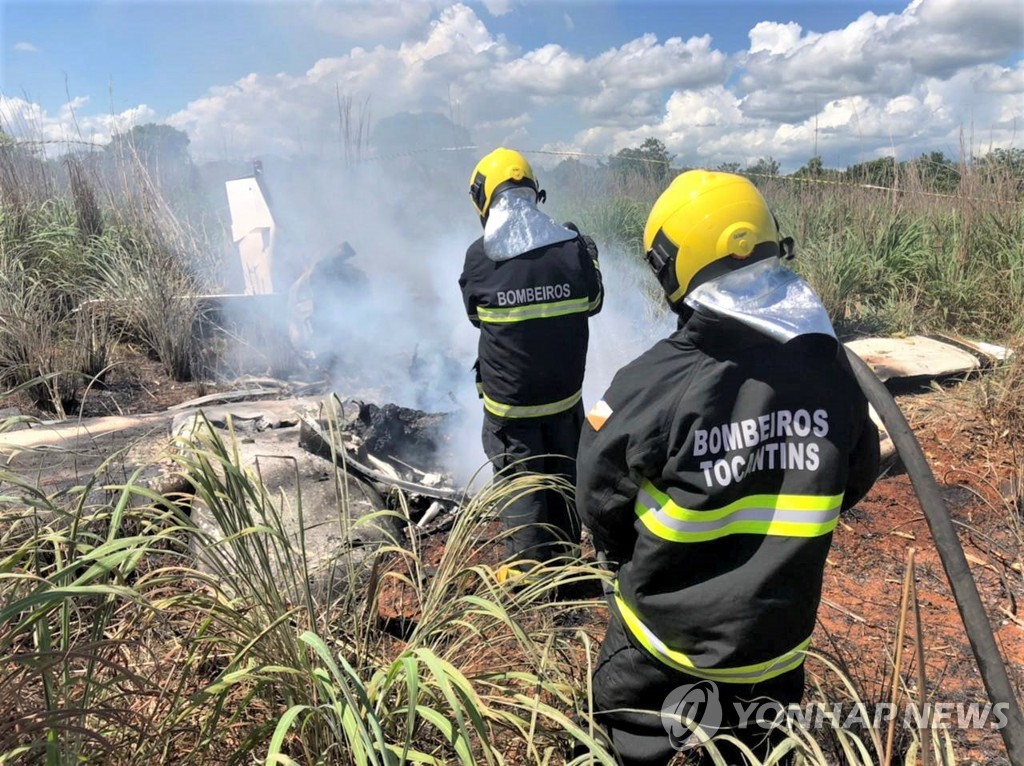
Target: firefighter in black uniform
column 711, row 476
column 530, row 285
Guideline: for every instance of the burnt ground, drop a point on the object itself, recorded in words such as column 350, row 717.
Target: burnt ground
column 978, row 463
column 979, row 470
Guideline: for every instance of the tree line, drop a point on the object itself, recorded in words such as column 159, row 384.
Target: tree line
column 933, row 170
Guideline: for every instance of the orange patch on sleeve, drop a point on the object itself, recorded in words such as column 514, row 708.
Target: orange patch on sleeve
column 599, row 415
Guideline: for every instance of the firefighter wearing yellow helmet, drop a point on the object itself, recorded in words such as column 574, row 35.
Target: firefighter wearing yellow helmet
column 712, row 475
column 499, row 171
column 530, row 284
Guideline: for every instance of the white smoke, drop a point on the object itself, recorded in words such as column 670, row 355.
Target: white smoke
column 405, row 338
column 632, row 320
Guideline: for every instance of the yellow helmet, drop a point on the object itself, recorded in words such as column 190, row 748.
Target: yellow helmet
column 704, row 225
column 496, row 172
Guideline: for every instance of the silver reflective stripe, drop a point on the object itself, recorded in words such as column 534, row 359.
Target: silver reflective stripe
column 755, row 673
column 531, row 410
column 533, row 311
column 777, row 515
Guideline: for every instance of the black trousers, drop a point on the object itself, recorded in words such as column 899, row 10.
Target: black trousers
column 627, row 676
column 544, row 524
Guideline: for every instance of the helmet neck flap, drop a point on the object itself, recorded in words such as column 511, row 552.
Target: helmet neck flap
column 515, row 226
column 766, row 296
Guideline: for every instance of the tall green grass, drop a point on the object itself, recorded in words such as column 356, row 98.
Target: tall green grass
column 91, row 254
column 900, row 261
column 119, row 646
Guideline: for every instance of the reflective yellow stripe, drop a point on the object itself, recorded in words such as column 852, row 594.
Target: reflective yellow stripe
column 755, row 673
column 596, row 302
column 530, row 411
column 776, row 515
column 533, row 311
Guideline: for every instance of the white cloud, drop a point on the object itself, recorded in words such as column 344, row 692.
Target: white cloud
column 884, row 55
column 997, row 79
column 284, row 113
column 954, row 33
column 16, row 112
column 508, row 124
column 570, row 25
column 776, row 39
column 550, row 70
column 25, row 47
column 27, row 121
column 622, row 107
column 457, row 31
column 632, row 79
column 644, row 63
column 690, row 119
column 897, row 83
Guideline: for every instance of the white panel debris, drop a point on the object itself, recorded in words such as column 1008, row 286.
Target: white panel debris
column 252, row 230
column 918, row 356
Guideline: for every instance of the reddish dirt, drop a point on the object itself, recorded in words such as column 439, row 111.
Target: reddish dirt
column 979, row 473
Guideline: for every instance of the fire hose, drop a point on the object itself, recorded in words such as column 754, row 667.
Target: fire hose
column 951, row 553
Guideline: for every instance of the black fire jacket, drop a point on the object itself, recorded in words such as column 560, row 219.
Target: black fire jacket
column 532, row 313
column 713, row 473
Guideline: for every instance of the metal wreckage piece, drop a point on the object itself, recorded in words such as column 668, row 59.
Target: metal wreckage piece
column 439, row 516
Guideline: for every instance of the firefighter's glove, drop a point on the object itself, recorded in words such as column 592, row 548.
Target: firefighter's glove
column 787, row 248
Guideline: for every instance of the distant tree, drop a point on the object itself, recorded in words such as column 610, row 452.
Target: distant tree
column 1003, row 165
column 814, row 168
column 650, row 160
column 408, row 132
column 730, row 167
column 937, row 172
column 880, row 172
column 162, row 151
column 766, row 166
column 571, row 174
column 154, row 144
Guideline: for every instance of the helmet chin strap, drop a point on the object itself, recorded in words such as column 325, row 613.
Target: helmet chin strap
column 662, row 261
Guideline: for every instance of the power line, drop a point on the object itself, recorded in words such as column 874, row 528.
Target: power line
column 595, row 156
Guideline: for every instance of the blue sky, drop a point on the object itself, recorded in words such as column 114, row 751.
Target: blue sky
column 166, row 53
column 727, row 80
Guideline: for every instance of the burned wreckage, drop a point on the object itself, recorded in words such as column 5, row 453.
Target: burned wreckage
column 337, row 477
column 322, row 480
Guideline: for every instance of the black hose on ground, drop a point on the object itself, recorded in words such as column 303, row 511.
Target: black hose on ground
column 965, row 591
